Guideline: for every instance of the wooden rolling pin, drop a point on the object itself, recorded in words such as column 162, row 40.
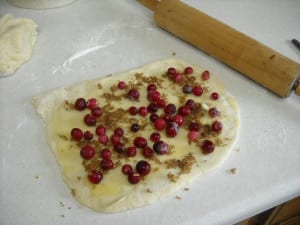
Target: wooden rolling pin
column 244, row 54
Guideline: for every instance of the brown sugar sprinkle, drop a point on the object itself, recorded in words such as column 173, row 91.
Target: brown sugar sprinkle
column 112, row 96
column 64, row 137
column 172, row 177
column 73, row 192
column 68, row 106
column 148, row 190
column 99, row 86
column 233, row 170
column 78, row 177
column 186, row 189
column 148, row 79
column 185, row 165
column 178, row 197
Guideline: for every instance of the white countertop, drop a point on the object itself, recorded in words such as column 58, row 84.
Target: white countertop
column 93, row 38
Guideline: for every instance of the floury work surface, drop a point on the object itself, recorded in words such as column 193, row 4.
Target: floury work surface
column 88, row 39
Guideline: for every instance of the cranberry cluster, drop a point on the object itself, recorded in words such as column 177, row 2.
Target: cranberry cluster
column 171, row 119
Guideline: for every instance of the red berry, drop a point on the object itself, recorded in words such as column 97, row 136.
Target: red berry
column 103, row 139
column 161, row 103
column 133, row 110
column 184, row 110
column 105, row 153
column 90, row 119
column 197, row 90
column 170, row 109
column 159, row 124
column 178, row 119
column 207, row 146
column 161, row 147
column 95, row 177
column 133, row 94
column 193, row 135
column 143, row 167
column 119, row 147
column 88, row 135
column 188, row 70
column 87, row 152
column 167, row 117
column 177, row 77
column 153, row 96
column 92, row 103
column 155, row 136
column 131, row 151
column 153, row 117
column 187, row 89
column 190, row 103
column 147, row 152
column 127, row 169
column 214, row 96
column 97, row 111
column 152, row 107
column 213, row 112
column 76, row 134
column 134, row 178
column 140, row 142
column 194, row 126
column 80, row 104
column 205, row 75
column 172, row 129
column 107, row 164
column 217, row 126
column 100, row 130
column 171, row 71
column 121, row 85
column 151, row 87
column 143, row 111
column 119, row 132
column 135, row 127
column 115, row 139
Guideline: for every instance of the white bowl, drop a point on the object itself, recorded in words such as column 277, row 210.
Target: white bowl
column 40, row 4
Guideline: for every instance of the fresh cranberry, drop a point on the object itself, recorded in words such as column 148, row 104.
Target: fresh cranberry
column 131, row 151
column 194, row 126
column 187, row 89
column 87, row 152
column 105, row 153
column 90, row 119
column 197, row 90
column 147, row 152
column 160, row 147
column 214, row 96
column 133, row 94
column 97, row 111
column 153, row 96
column 178, row 119
column 205, row 75
column 119, row 132
column 95, row 177
column 80, row 104
column 88, row 135
column 172, row 129
column 184, row 110
column 213, row 112
column 115, row 139
column 171, row 71
column 133, row 110
column 155, row 136
column 76, row 134
column 161, row 103
column 152, row 107
column 127, row 169
column 107, row 164
column 167, row 117
column 190, row 103
column 121, row 85
column 217, row 126
column 134, row 178
column 188, row 70
column 103, row 139
column 159, row 124
column 100, row 130
column 151, row 87
column 143, row 167
column 170, row 109
column 153, row 117
column 119, row 147
column 135, row 127
column 207, row 146
column 92, row 103
column 193, row 135
column 143, row 111
column 177, row 77
column 140, row 142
